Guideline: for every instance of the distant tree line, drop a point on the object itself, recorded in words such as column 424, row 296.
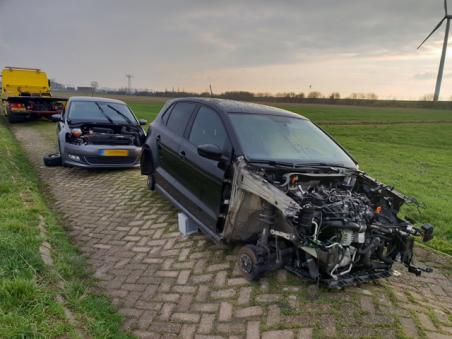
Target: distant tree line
column 313, row 97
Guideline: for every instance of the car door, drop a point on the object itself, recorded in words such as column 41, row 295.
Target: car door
column 169, row 172
column 203, row 177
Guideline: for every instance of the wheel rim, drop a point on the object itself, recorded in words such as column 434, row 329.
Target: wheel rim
column 246, row 263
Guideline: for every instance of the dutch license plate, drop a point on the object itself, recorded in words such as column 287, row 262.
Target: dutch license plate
column 114, row 152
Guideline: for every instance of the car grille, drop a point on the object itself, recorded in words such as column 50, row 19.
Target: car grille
column 94, row 160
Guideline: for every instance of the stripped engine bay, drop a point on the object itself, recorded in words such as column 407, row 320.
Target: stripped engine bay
column 333, row 225
column 108, row 134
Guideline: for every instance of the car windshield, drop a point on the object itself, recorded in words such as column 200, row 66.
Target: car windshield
column 286, row 139
column 101, row 112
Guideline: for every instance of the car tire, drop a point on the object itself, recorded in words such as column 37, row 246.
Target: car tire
column 61, row 155
column 151, row 182
column 248, row 261
column 52, row 160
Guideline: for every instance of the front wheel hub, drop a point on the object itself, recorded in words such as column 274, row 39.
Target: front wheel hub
column 246, row 263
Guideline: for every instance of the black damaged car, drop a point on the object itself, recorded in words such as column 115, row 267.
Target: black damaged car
column 279, row 184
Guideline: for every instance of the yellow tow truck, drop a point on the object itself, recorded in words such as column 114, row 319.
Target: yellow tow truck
column 26, row 95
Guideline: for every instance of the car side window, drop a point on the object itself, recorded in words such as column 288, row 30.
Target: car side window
column 179, row 116
column 208, row 129
column 166, row 114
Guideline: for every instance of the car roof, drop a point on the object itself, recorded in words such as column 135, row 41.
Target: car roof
column 234, row 106
column 86, row 98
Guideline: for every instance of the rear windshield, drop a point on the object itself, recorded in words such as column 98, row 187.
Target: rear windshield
column 100, row 111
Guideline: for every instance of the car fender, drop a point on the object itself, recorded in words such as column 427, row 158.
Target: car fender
column 146, row 160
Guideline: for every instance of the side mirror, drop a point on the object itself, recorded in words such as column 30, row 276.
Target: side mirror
column 210, row 151
column 56, row 117
column 142, row 122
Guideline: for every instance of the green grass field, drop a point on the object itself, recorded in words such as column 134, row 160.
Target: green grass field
column 410, row 149
column 28, row 287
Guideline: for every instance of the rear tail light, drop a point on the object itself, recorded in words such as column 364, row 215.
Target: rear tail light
column 15, row 106
column 57, row 107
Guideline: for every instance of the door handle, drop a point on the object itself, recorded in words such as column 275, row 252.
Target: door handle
column 182, row 154
column 157, row 138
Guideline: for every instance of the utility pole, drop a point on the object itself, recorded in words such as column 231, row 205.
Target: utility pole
column 129, row 83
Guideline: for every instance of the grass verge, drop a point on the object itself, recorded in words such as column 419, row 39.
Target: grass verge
column 28, row 288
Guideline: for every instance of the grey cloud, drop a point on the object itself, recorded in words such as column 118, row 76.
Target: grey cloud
column 172, row 37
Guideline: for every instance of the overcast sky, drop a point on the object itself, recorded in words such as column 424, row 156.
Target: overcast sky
column 260, row 46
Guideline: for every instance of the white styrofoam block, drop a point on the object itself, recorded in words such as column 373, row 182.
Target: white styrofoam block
column 186, row 225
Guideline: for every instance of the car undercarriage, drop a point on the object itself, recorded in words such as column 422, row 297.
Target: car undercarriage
column 333, row 225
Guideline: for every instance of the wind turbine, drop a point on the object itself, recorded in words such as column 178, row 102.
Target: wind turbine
column 446, row 17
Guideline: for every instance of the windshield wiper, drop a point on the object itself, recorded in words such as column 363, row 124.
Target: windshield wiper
column 120, row 113
column 323, row 164
column 103, row 113
column 272, row 163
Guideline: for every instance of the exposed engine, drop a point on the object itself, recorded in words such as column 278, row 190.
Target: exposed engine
column 337, row 226
column 106, row 135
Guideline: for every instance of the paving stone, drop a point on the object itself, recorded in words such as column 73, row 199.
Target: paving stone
column 146, row 319
column 367, row 304
column 225, row 311
column 184, row 303
column 328, row 326
column 220, row 279
column 165, row 327
column 187, row 331
column 268, row 298
column 436, row 335
column 202, row 293
column 237, row 282
column 247, row 312
column 409, row 327
column 207, row 322
column 273, row 315
column 212, row 308
column 305, row 333
column 186, row 317
column 286, row 334
column 231, row 327
column 166, row 311
column 426, row 322
column 223, row 294
column 244, row 296
column 183, row 277
column 252, row 330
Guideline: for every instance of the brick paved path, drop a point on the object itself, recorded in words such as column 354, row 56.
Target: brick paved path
column 169, row 286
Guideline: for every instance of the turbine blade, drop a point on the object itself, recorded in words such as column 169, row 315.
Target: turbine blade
column 445, row 6
column 434, row 30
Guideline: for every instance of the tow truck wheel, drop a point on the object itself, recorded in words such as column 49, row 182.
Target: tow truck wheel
column 14, row 118
column 248, row 262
